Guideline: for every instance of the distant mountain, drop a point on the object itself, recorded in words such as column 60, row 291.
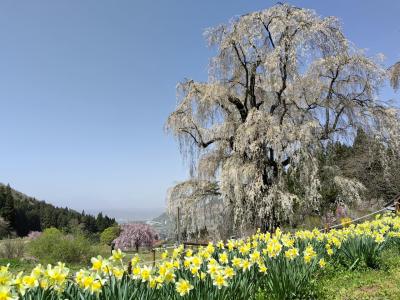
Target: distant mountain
column 128, row 215
column 164, row 225
column 23, row 214
column 162, row 219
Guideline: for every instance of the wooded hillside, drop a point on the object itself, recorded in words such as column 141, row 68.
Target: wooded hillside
column 21, row 214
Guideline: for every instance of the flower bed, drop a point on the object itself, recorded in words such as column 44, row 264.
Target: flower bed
column 273, row 266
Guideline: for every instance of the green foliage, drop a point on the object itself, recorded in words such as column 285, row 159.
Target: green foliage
column 361, row 251
column 286, row 279
column 292, row 279
column 109, row 234
column 53, row 246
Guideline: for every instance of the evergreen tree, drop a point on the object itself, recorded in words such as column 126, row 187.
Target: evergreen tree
column 2, row 197
column 8, row 210
column 369, row 162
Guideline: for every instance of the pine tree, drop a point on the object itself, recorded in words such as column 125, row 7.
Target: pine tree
column 2, row 197
column 8, row 210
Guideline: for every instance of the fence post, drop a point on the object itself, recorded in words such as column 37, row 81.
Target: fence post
column 130, row 267
column 154, row 257
column 179, row 225
column 112, row 247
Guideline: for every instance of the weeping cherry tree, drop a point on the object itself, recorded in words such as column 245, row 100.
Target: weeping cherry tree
column 283, row 84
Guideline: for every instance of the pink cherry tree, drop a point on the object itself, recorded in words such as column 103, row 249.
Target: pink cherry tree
column 134, row 236
column 33, row 235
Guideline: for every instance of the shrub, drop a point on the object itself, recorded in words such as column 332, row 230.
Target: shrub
column 136, row 235
column 53, row 246
column 12, row 249
column 109, row 234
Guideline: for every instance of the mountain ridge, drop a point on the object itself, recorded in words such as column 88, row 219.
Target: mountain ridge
column 22, row 214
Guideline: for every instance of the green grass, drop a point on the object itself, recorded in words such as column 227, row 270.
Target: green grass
column 364, row 284
column 146, row 256
column 17, row 265
column 28, row 262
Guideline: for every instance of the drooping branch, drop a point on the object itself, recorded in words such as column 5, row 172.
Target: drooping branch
column 199, row 140
column 240, row 107
column 395, row 75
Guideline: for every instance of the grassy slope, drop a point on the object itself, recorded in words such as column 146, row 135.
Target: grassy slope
column 365, row 284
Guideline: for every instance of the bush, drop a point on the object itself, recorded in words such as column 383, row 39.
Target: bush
column 12, row 249
column 53, row 246
column 109, row 234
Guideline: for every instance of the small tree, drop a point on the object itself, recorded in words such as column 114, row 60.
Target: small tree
column 136, row 235
column 109, row 234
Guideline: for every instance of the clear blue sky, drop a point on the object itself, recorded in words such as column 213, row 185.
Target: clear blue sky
column 86, row 86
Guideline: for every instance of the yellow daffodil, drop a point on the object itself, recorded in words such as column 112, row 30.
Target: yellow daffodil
column 145, row 273
column 229, row 272
column 6, row 294
column 164, row 255
column 262, row 268
column 223, row 258
column 309, row 254
column 236, row 262
column 183, row 287
column 30, row 282
column 117, row 255
column 220, row 281
column 97, row 263
column 245, row 265
column 322, row 263
column 292, row 253
column 135, row 260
